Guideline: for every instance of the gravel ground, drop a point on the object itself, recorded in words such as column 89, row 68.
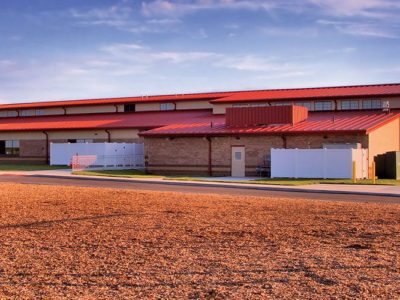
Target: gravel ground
column 89, row 243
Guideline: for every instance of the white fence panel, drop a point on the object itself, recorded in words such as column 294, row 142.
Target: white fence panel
column 318, row 163
column 62, row 153
column 107, row 162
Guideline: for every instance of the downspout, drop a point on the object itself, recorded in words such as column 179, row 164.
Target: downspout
column 47, row 147
column 284, row 139
column 108, row 135
column 209, row 156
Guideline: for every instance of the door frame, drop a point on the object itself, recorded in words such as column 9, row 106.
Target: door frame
column 231, row 160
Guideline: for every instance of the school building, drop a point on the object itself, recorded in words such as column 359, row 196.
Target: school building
column 221, row 133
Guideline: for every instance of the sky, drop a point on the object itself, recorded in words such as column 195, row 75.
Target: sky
column 78, row 49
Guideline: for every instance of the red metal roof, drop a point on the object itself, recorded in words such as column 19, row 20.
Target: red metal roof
column 144, row 120
column 255, row 116
column 317, row 122
column 314, row 93
column 229, row 97
column 122, row 100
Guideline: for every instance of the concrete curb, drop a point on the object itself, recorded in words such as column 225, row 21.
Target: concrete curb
column 220, row 185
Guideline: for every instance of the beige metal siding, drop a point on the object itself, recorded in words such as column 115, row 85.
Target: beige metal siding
column 147, row 106
column 21, row 136
column 384, row 139
column 193, row 105
column 92, row 109
column 53, row 111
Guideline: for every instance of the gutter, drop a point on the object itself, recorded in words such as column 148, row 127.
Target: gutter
column 209, row 155
column 47, row 147
column 108, row 135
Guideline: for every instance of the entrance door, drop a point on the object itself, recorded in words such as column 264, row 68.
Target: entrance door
column 238, row 158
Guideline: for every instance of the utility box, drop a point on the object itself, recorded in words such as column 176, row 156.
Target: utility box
column 388, row 165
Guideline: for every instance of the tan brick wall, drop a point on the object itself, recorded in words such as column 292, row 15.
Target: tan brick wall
column 33, row 148
column 189, row 155
column 316, row 141
column 177, row 151
column 257, row 149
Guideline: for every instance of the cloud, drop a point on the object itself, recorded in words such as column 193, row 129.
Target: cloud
column 168, row 7
column 302, row 32
column 145, row 55
column 252, row 63
column 122, row 17
column 367, row 29
column 365, row 8
column 135, row 69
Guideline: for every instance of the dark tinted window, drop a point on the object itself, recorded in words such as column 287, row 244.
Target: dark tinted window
column 129, row 107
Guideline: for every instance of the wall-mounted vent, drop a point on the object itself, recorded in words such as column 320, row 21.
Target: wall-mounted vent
column 254, row 116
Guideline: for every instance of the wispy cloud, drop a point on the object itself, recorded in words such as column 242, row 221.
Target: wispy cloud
column 365, row 8
column 168, row 7
column 303, row 32
column 368, row 29
column 129, row 69
column 122, row 16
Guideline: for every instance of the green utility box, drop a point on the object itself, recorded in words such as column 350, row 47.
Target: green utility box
column 388, row 165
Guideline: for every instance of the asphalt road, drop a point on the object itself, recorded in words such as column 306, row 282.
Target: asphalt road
column 178, row 187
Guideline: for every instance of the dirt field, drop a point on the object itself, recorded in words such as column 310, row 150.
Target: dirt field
column 65, row 242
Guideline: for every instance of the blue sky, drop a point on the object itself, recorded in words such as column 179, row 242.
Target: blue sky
column 52, row 50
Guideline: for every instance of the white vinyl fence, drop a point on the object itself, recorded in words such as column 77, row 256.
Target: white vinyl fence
column 98, row 155
column 318, row 163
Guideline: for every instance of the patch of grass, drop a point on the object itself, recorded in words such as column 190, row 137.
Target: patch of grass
column 267, row 181
column 117, row 173
column 290, row 182
column 306, row 181
column 10, row 167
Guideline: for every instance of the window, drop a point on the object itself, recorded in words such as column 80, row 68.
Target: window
column 238, row 155
column 306, row 104
column 82, row 141
column 167, row 106
column 9, row 148
column 250, row 104
column 349, row 104
column 27, row 112
column 372, row 104
column 280, row 103
column 129, row 107
column 8, row 113
column 39, row 112
column 323, row 105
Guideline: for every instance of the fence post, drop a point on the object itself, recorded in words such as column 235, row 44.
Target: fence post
column 354, row 171
column 373, row 173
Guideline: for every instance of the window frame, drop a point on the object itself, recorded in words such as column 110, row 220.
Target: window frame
column 12, row 148
column 301, row 103
column 128, row 107
column 371, row 105
column 167, row 106
column 350, row 105
column 323, row 108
